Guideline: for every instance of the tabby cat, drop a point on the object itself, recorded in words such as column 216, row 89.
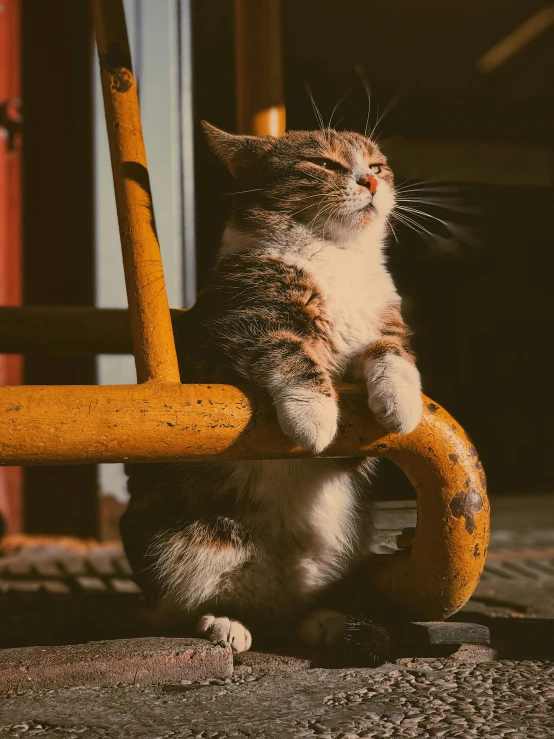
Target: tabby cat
column 300, row 299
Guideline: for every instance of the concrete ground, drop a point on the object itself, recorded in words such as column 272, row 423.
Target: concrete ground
column 63, row 594
column 432, row 698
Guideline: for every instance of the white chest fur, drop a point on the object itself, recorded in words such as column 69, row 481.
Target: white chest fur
column 352, row 278
column 356, row 288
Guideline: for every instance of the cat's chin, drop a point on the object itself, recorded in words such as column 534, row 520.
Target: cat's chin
column 362, row 220
column 348, row 233
column 368, row 215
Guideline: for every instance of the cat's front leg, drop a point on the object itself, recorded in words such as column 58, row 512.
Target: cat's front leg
column 308, row 416
column 301, row 389
column 394, row 386
column 220, row 628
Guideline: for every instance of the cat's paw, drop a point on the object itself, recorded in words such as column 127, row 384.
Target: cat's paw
column 308, row 417
column 322, row 628
column 394, row 393
column 220, row 628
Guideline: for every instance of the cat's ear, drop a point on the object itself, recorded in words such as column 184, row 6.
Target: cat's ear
column 239, row 153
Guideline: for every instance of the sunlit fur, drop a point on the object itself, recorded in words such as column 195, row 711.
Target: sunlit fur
column 300, row 299
column 278, row 186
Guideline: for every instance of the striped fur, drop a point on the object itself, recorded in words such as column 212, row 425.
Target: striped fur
column 300, row 298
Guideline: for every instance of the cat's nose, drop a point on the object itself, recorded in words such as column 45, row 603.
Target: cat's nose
column 369, row 181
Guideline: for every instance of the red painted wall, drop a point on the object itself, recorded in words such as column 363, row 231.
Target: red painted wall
column 10, row 227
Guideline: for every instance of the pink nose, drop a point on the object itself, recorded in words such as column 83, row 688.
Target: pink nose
column 368, row 181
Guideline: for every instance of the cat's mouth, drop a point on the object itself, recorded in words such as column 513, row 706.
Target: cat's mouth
column 369, row 209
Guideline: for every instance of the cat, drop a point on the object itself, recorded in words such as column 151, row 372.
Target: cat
column 300, row 298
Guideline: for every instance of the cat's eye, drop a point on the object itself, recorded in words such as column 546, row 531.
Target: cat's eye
column 376, row 168
column 327, row 164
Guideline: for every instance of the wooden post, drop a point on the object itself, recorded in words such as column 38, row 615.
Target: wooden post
column 259, row 68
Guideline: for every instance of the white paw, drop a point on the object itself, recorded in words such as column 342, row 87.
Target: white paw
column 322, row 628
column 394, row 393
column 308, row 417
column 221, row 628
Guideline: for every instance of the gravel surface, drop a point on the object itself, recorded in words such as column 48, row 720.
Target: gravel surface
column 427, row 698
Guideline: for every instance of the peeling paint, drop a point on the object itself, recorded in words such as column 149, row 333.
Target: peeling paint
column 466, row 505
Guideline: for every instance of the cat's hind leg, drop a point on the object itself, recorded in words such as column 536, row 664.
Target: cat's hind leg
column 322, row 627
column 220, row 628
column 351, row 641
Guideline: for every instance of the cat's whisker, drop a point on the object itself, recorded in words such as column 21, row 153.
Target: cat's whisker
column 316, row 110
column 393, row 103
column 311, row 205
column 310, row 224
column 331, row 215
column 317, row 179
column 320, row 212
column 389, row 224
column 400, row 218
column 428, row 187
column 421, row 213
column 453, row 205
column 410, row 223
column 285, row 198
column 339, row 101
column 241, row 192
column 421, row 197
column 323, row 182
column 315, row 195
column 361, row 71
column 324, row 209
column 330, row 218
column 462, row 234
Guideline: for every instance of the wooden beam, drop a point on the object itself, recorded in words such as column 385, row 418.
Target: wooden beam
column 52, row 331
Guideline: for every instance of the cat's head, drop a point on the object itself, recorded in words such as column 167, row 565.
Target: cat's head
column 337, row 183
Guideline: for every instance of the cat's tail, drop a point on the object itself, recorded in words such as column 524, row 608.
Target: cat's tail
column 345, row 641
column 364, row 643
